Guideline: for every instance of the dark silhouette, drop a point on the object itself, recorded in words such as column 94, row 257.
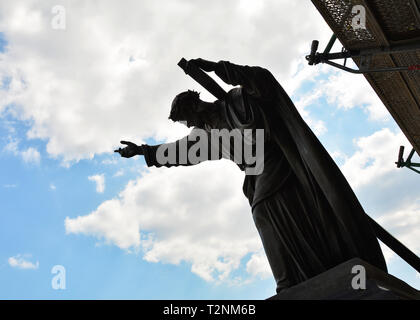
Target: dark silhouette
column 306, row 213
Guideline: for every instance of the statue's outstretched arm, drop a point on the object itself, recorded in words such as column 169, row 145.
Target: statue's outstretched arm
column 190, row 150
column 257, row 81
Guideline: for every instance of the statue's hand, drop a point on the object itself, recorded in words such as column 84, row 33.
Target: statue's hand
column 206, row 65
column 130, row 150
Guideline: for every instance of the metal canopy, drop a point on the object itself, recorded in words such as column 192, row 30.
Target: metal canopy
column 389, row 24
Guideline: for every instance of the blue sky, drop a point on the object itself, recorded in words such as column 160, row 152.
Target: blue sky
column 62, row 114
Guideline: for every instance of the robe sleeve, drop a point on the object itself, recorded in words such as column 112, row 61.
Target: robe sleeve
column 257, row 81
column 178, row 153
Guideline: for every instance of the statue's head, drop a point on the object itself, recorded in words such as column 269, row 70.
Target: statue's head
column 186, row 108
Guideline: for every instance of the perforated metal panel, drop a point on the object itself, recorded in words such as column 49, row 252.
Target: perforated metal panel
column 400, row 19
column 387, row 22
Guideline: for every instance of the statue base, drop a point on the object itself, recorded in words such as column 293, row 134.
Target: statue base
column 340, row 283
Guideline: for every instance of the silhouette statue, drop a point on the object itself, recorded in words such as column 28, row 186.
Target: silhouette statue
column 306, row 213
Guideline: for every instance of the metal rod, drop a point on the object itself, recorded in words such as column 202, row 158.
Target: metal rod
column 398, row 48
column 410, row 167
column 407, row 163
column 364, row 71
column 406, row 254
column 337, row 55
column 410, row 155
column 371, row 51
column 330, row 44
column 400, row 160
column 326, row 56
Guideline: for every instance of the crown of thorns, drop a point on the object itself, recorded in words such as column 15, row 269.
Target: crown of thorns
column 188, row 98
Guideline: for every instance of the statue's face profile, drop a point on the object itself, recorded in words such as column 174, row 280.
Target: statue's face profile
column 185, row 109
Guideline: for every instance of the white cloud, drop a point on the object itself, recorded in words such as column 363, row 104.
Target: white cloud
column 25, row 20
column 9, row 186
column 195, row 214
column 258, row 265
column 31, row 155
column 388, row 194
column 52, row 186
column 250, row 8
column 12, row 146
column 85, row 91
column 341, row 89
column 347, row 90
column 404, row 223
column 338, row 156
column 307, row 75
column 21, row 262
column 119, row 173
column 375, row 157
column 99, row 179
column 111, row 161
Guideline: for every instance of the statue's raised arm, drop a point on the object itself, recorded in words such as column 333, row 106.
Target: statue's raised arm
column 256, row 81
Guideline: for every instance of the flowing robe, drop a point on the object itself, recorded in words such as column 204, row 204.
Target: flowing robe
column 306, row 213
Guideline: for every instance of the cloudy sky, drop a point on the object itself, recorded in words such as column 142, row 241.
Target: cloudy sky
column 76, row 77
